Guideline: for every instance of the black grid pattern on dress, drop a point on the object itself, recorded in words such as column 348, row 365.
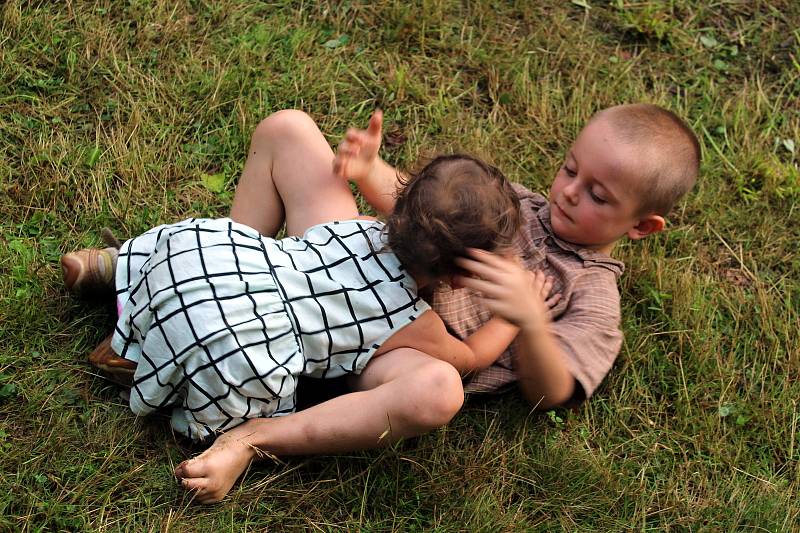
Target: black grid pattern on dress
column 217, row 336
column 343, row 269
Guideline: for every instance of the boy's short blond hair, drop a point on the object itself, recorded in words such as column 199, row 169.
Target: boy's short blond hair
column 669, row 150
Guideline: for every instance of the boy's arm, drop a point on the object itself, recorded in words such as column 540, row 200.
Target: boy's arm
column 510, row 292
column 357, row 159
column 541, row 367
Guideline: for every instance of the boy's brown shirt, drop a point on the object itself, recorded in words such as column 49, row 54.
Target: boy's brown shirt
column 585, row 322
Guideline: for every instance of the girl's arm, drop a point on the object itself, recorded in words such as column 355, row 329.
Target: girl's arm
column 428, row 334
column 357, row 160
column 380, row 186
column 491, row 340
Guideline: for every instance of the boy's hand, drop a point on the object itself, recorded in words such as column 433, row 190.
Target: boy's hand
column 509, row 290
column 358, row 152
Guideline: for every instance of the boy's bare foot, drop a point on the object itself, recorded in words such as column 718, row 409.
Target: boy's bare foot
column 211, row 474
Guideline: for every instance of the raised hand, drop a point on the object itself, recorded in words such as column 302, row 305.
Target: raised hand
column 358, row 152
column 509, row 290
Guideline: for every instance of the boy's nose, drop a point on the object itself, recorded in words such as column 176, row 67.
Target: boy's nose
column 571, row 193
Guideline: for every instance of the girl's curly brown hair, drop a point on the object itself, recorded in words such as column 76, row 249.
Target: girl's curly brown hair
column 455, row 202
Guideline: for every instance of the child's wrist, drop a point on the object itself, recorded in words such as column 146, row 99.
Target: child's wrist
column 534, row 324
column 375, row 167
column 365, row 177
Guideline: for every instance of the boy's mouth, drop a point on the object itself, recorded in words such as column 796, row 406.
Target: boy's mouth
column 561, row 212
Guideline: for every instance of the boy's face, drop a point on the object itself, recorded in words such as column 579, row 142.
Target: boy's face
column 594, row 199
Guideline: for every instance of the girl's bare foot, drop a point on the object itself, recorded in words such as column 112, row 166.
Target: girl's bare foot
column 211, row 474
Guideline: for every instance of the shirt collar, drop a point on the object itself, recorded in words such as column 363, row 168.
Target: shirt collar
column 589, row 257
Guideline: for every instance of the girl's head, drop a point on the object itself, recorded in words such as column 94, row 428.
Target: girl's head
column 455, row 202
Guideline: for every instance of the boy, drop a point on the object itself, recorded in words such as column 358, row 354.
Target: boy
column 623, row 174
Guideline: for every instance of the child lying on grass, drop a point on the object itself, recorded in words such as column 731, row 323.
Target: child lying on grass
column 219, row 320
column 627, row 168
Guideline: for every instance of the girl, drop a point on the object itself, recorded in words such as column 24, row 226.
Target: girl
column 220, row 320
column 217, row 320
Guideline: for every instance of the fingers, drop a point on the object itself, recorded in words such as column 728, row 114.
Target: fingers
column 540, row 283
column 488, row 289
column 488, row 257
column 552, row 301
column 375, row 123
column 488, row 265
column 543, row 286
column 494, row 277
column 548, row 286
column 348, row 150
column 476, row 268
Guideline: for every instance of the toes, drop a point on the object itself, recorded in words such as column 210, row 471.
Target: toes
column 191, row 468
column 179, row 473
column 195, row 484
column 201, row 490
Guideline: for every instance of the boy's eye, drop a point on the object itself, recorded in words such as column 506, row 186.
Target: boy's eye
column 597, row 199
column 570, row 172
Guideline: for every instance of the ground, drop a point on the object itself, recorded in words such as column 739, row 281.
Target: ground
column 129, row 114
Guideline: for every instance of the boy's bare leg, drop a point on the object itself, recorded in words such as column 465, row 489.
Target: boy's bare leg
column 289, row 174
column 402, row 393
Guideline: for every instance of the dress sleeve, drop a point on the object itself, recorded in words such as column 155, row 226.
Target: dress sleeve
column 589, row 330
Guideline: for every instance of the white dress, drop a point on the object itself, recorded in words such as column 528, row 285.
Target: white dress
column 221, row 320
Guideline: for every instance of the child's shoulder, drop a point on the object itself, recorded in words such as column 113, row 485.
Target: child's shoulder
column 528, row 196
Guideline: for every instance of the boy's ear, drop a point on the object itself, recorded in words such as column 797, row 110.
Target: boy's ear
column 647, row 226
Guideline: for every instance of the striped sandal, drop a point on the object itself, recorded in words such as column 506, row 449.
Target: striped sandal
column 90, row 272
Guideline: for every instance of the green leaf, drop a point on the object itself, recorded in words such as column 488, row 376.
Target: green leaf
column 582, row 3
column 335, row 43
column 7, row 391
column 726, row 410
column 93, row 156
column 214, row 182
column 708, row 41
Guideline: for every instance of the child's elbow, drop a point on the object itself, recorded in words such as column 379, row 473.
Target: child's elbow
column 554, row 395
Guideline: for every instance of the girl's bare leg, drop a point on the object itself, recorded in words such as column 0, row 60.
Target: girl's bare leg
column 400, row 394
column 289, row 175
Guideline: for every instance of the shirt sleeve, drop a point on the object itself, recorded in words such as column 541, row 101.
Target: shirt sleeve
column 589, row 330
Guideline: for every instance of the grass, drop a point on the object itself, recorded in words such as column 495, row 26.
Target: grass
column 117, row 113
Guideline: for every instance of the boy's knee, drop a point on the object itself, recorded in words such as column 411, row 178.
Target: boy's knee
column 436, row 396
column 284, row 124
